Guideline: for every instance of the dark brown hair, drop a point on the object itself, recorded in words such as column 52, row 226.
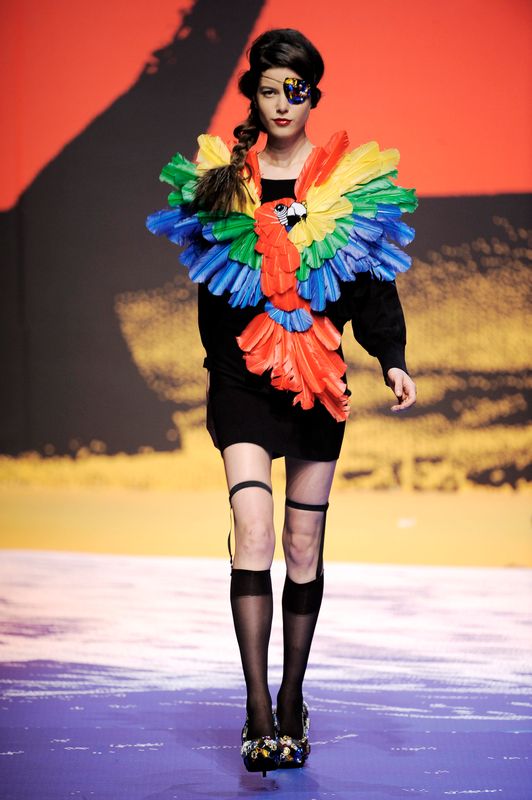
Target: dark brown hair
column 281, row 47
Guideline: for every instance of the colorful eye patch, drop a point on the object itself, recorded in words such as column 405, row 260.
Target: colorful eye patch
column 296, row 90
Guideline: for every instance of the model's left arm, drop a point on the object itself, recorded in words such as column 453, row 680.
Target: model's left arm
column 379, row 326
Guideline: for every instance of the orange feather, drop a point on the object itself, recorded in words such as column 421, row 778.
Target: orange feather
column 321, row 163
column 299, row 362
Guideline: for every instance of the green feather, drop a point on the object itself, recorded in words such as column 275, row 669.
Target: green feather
column 243, row 250
column 178, row 171
column 303, row 271
column 381, row 190
column 181, row 174
column 239, row 227
column 183, row 195
column 189, row 191
column 175, row 199
column 317, row 252
column 232, row 226
column 207, row 217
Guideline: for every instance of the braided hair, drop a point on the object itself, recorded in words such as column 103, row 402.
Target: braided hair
column 220, row 188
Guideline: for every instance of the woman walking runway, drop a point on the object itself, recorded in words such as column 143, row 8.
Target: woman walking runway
column 287, row 245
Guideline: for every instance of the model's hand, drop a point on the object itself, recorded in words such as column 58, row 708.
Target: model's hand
column 403, row 387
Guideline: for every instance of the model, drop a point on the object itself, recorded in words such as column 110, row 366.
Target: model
column 286, row 245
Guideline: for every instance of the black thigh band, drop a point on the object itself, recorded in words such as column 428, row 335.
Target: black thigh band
column 306, row 506
column 311, row 507
column 245, row 484
column 232, row 491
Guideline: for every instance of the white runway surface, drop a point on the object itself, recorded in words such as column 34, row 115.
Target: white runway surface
column 429, row 662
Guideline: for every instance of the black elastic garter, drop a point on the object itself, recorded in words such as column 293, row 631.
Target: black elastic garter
column 233, row 490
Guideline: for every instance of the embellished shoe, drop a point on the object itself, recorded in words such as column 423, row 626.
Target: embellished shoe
column 259, row 755
column 294, row 752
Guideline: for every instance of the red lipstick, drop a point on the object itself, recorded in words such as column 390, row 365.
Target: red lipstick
column 282, row 123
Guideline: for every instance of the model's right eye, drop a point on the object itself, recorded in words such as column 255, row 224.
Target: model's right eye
column 267, row 92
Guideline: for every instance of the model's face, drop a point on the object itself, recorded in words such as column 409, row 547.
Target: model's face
column 280, row 118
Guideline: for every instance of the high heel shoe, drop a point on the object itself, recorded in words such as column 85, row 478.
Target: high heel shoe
column 293, row 752
column 259, row 755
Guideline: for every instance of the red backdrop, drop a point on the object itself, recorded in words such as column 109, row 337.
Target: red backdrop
column 449, row 84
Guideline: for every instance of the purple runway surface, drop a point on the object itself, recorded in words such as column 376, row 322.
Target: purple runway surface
column 121, row 680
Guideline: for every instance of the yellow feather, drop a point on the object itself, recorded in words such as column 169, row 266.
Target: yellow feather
column 252, row 199
column 325, row 203
column 320, row 220
column 360, row 166
column 213, row 152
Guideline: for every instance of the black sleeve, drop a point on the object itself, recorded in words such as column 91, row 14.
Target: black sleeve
column 378, row 321
column 204, row 321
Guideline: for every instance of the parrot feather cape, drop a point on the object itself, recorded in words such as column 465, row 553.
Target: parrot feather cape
column 294, row 255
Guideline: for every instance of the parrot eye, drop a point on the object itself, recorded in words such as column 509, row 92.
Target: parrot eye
column 290, row 215
column 280, row 209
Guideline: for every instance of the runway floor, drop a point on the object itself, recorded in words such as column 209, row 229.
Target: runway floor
column 121, row 680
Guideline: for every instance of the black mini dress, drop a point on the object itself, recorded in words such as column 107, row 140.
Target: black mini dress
column 245, row 407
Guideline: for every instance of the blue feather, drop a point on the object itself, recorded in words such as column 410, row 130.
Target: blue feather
column 332, row 287
column 179, row 226
column 185, row 231
column 391, row 260
column 356, row 247
column 339, row 264
column 298, row 320
column 399, row 232
column 245, row 288
column 394, row 229
column 210, row 261
column 387, row 211
column 317, row 289
column 161, row 221
column 369, row 249
column 240, row 277
column 258, row 296
column 208, row 234
column 192, row 253
column 303, row 288
column 223, row 279
column 368, row 229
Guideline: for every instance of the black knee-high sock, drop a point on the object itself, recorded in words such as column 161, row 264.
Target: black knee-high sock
column 252, row 607
column 301, row 606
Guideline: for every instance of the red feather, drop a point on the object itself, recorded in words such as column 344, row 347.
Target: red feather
column 321, row 163
column 303, row 362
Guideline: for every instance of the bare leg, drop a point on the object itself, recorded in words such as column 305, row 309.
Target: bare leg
column 251, row 589
column 307, row 482
column 252, row 507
